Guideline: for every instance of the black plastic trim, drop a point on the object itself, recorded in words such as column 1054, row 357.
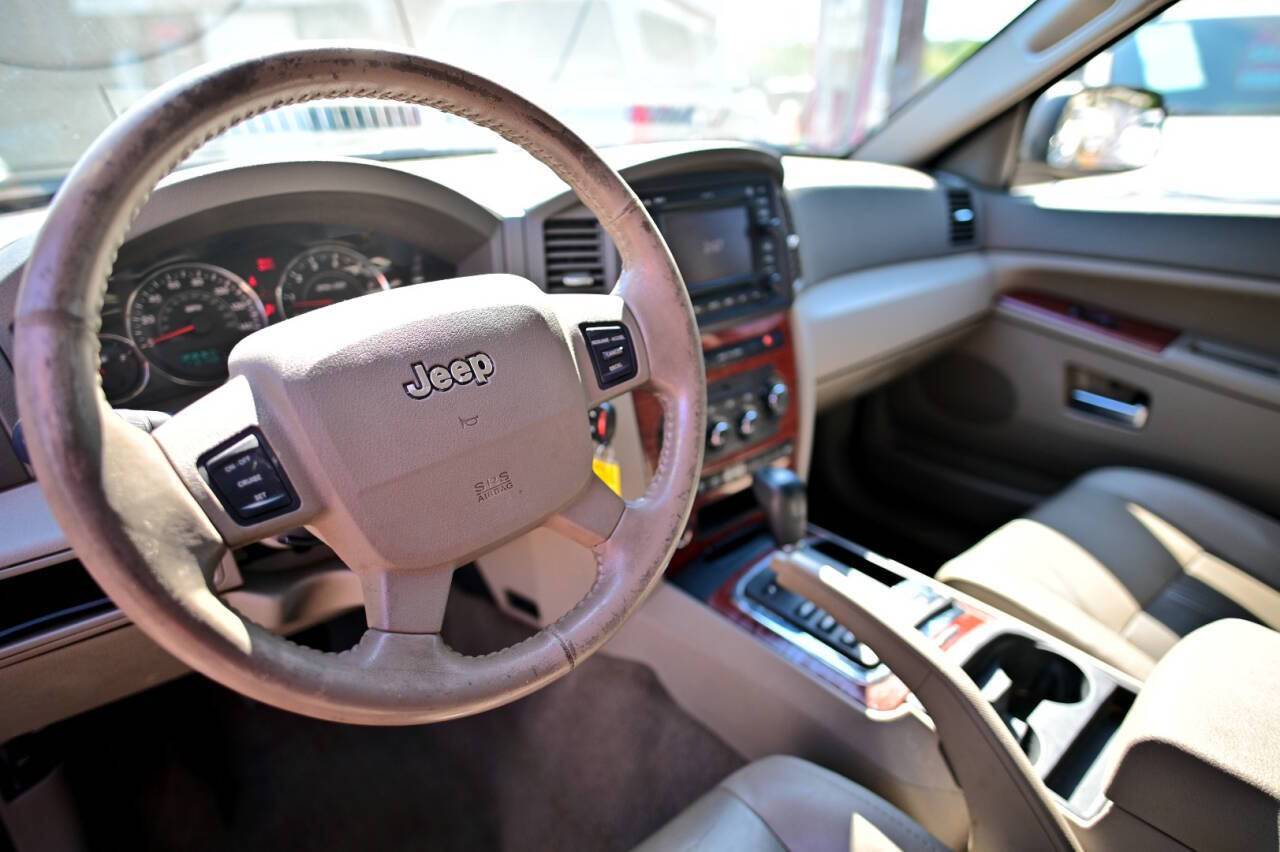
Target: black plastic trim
column 225, row 499
column 597, row 336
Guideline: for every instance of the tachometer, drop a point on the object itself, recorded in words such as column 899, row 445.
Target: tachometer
column 325, row 274
column 186, row 318
column 124, row 371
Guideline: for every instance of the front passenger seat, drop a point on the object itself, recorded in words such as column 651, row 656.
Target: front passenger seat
column 1124, row 562
column 784, row 803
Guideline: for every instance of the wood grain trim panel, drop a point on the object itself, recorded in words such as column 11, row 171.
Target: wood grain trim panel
column 782, row 360
column 1135, row 332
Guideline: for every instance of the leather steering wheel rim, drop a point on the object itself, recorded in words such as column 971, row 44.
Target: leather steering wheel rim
column 140, row 515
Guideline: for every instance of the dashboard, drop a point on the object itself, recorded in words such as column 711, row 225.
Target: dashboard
column 170, row 319
column 221, row 252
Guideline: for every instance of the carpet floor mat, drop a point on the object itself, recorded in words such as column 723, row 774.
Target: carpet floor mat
column 597, row 760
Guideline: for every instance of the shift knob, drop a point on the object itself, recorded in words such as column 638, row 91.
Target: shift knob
column 781, row 493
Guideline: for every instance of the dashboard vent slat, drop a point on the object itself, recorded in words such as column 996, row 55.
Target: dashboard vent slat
column 331, row 116
column 962, row 220
column 573, row 254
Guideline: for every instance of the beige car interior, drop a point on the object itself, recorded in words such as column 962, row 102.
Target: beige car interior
column 949, row 524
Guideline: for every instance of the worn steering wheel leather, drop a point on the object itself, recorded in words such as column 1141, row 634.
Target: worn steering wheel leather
column 391, row 480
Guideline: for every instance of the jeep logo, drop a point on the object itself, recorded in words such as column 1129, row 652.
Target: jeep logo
column 460, row 371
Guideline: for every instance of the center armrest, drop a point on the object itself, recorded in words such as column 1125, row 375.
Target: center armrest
column 1198, row 753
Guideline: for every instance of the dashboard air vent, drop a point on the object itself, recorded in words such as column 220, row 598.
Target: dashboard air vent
column 962, row 220
column 573, row 253
column 331, row 116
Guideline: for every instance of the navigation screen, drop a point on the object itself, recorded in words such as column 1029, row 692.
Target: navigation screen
column 709, row 244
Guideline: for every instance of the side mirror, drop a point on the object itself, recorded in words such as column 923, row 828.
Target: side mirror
column 1108, row 129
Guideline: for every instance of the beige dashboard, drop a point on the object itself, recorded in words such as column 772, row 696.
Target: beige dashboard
column 882, row 283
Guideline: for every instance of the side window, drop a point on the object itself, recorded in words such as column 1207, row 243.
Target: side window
column 1183, row 115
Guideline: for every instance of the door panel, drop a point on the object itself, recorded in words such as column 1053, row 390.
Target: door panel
column 1208, row 304
column 983, row 432
column 1204, row 433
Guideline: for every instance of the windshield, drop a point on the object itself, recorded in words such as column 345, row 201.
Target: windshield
column 810, row 75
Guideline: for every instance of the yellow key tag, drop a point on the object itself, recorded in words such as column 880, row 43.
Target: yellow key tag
column 609, row 472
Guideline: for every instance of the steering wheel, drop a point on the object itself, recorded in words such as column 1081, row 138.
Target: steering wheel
column 412, row 430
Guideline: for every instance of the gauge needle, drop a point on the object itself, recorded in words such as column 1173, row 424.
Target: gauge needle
column 170, row 335
column 312, row 303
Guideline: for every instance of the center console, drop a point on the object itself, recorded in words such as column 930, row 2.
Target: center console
column 1062, row 707
column 730, row 235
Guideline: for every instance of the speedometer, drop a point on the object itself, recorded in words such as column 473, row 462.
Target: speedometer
column 325, row 274
column 186, row 318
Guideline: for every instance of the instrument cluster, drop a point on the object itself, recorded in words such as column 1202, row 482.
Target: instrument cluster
column 170, row 322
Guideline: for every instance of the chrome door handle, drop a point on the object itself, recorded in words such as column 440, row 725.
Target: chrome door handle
column 1131, row 414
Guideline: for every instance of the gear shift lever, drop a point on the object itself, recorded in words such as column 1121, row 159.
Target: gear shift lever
column 781, row 493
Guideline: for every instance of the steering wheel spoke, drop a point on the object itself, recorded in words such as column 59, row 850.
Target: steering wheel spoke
column 591, row 517
column 242, row 478
column 406, row 601
column 607, row 344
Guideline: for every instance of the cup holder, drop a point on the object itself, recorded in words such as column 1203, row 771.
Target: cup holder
column 1018, row 675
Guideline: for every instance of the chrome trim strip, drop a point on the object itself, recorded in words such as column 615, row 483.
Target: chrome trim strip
column 812, row 645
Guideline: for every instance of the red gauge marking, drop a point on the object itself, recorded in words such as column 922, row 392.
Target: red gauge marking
column 312, row 303
column 177, row 332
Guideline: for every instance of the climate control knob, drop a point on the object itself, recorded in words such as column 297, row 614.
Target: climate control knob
column 718, row 434
column 748, row 422
column 778, row 397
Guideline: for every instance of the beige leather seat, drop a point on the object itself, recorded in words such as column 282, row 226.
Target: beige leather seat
column 1124, row 562
column 784, row 803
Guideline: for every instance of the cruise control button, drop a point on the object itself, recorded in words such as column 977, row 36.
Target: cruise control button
column 612, row 370
column 612, row 354
column 246, row 480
